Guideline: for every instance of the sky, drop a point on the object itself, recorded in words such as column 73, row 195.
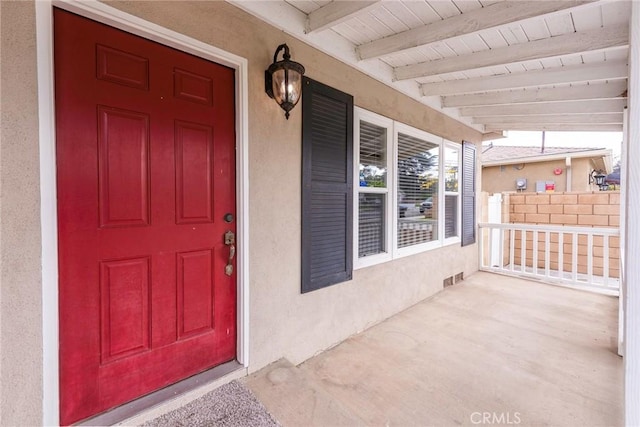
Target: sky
column 612, row 140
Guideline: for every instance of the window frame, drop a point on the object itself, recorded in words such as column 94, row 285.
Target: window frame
column 455, row 239
column 370, row 117
column 392, row 251
column 433, row 139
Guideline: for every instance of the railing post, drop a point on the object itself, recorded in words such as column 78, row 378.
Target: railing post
column 481, row 246
column 561, row 255
column 523, row 250
column 501, row 249
column 490, row 230
column 574, row 257
column 512, row 248
column 547, row 252
column 605, row 260
column 590, row 258
column 535, row 252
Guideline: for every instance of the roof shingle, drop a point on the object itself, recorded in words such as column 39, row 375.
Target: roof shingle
column 495, row 153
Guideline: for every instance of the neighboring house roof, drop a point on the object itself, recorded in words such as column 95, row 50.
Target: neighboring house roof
column 613, row 178
column 495, row 155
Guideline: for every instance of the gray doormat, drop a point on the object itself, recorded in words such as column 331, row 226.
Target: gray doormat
column 232, row 405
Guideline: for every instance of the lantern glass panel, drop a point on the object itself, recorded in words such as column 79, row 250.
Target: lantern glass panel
column 286, row 86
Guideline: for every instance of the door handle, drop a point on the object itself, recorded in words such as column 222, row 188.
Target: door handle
column 230, row 240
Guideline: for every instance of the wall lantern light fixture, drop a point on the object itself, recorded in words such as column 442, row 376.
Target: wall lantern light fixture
column 598, row 178
column 283, row 80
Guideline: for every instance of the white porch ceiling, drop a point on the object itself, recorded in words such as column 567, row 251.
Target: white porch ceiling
column 493, row 65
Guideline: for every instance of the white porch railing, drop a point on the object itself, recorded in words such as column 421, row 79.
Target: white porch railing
column 580, row 257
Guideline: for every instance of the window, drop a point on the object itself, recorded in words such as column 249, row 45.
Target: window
column 452, row 160
column 408, row 198
column 418, row 178
column 373, row 153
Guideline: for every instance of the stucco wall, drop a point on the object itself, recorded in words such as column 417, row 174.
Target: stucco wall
column 284, row 323
column 20, row 285
column 498, row 179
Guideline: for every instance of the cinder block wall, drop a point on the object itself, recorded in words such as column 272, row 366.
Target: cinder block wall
column 592, row 209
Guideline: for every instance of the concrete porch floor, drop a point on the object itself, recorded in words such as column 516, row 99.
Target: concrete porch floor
column 489, row 350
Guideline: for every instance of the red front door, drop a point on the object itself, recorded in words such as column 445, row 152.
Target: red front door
column 145, row 175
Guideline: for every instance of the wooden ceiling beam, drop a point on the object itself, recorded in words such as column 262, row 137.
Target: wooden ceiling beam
column 612, row 90
column 491, row 16
column 604, row 118
column 550, row 76
column 584, row 127
column 566, row 44
column 336, row 12
column 564, row 107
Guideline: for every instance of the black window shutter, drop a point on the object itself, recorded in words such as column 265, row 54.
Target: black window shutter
column 327, row 186
column 468, row 193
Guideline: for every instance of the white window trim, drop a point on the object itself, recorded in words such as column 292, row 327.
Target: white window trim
column 455, row 239
column 385, row 122
column 392, row 251
column 429, row 137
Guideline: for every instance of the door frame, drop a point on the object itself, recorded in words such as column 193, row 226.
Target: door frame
column 103, row 13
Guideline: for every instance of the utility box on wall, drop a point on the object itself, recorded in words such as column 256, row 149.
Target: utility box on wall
column 545, row 186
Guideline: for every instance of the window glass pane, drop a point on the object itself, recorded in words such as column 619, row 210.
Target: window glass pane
column 451, row 158
column 451, row 169
column 371, row 218
column 450, row 216
column 417, row 183
column 373, row 155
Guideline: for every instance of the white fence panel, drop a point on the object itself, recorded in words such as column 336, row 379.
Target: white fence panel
column 550, row 254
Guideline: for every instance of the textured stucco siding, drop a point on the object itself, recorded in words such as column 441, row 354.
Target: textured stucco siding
column 498, row 179
column 20, row 259
column 283, row 322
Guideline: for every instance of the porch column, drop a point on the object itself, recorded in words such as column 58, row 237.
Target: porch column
column 632, row 241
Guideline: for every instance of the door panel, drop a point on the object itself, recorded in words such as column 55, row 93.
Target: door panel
column 195, row 294
column 123, row 153
column 194, row 162
column 124, row 310
column 145, row 174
